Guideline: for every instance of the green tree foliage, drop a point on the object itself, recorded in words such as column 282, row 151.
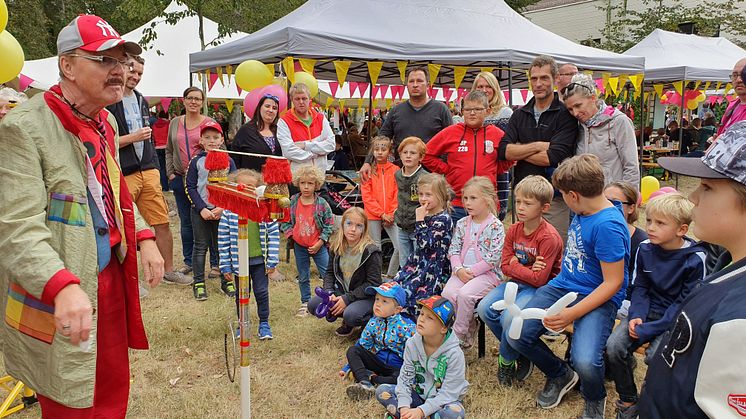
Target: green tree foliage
column 625, row 26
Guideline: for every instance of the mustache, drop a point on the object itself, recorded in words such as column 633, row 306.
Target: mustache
column 115, row 81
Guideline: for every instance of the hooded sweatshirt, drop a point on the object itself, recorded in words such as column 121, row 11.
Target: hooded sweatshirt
column 610, row 136
column 380, row 191
column 470, row 152
column 662, row 280
column 439, row 378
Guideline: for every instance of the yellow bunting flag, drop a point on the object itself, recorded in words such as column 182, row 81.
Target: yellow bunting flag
column 433, row 69
column 614, row 85
column 718, row 84
column 375, row 103
column 289, row 67
column 636, row 80
column 696, row 84
column 645, row 97
column 487, row 69
column 360, row 103
column 605, row 77
column 707, row 86
column 728, row 88
column 402, row 65
column 229, row 105
column 623, row 80
column 528, row 77
column 307, row 64
column 678, row 86
column 658, row 89
column 342, row 67
column 199, row 77
column 458, row 75
column 329, row 102
column 229, row 71
column 220, row 76
column 374, row 69
column 341, row 104
column 389, row 102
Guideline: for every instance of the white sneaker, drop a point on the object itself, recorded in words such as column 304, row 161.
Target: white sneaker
column 178, row 278
column 302, row 311
column 143, row 291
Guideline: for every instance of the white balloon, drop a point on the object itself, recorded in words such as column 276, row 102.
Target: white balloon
column 516, row 325
column 562, row 303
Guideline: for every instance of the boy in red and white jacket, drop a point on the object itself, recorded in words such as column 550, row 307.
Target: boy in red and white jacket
column 471, row 150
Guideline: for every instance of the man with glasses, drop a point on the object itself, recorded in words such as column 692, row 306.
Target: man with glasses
column 564, row 76
column 70, row 234
column 418, row 117
column 139, row 162
column 540, row 135
column 736, row 110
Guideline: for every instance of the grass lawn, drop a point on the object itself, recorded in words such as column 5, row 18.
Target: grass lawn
column 183, row 375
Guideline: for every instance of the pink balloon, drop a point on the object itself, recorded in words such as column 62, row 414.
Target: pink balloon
column 662, row 191
column 251, row 101
column 279, row 92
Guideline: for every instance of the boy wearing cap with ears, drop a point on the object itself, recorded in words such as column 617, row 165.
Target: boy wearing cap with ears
column 205, row 216
column 432, row 380
column 698, row 368
column 377, row 357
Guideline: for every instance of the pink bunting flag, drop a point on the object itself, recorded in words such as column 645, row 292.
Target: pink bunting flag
column 384, row 89
column 363, row 87
column 432, row 92
column 352, row 85
column 447, row 92
column 166, row 103
column 506, row 94
column 24, row 82
column 333, row 86
column 524, row 95
column 600, row 85
column 211, row 82
column 239, row 89
column 720, row 100
column 376, row 88
column 216, row 106
column 711, row 99
column 461, row 93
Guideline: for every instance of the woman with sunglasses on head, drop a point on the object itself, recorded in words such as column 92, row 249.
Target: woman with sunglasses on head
column 259, row 135
column 607, row 132
column 182, row 145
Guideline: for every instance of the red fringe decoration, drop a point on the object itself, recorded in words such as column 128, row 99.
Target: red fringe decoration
column 216, row 160
column 238, row 202
column 277, row 171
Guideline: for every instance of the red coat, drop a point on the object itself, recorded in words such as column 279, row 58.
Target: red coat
column 380, row 192
column 469, row 152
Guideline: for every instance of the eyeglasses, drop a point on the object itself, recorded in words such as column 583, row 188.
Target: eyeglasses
column 572, row 86
column 735, row 76
column 473, row 110
column 105, row 61
column 193, row 99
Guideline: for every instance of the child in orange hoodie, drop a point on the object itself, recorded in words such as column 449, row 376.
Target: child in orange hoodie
column 380, row 198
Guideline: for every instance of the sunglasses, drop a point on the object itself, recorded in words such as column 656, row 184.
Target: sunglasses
column 565, row 90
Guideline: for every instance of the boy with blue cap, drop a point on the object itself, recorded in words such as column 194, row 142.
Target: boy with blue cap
column 432, row 382
column 377, row 357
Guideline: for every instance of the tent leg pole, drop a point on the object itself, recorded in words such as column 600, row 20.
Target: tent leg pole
column 643, row 124
column 370, row 110
column 510, row 103
column 681, row 126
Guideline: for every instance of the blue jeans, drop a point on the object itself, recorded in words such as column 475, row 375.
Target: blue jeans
column 499, row 321
column 205, row 238
column 588, row 343
column 303, row 263
column 184, row 206
column 259, row 283
column 386, row 395
column 407, row 245
column 161, row 152
column 457, row 213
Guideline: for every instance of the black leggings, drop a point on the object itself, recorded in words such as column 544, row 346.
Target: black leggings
column 364, row 363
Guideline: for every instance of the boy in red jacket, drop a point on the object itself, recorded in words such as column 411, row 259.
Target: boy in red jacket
column 470, row 149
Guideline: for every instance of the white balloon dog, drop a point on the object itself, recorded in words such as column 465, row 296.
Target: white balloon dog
column 516, row 325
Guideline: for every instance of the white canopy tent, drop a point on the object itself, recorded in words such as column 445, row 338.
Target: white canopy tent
column 475, row 33
column 166, row 74
column 671, row 56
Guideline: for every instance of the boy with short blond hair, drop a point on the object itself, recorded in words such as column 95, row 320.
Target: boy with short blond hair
column 411, row 152
column 698, row 368
column 594, row 266
column 532, row 255
column 668, row 266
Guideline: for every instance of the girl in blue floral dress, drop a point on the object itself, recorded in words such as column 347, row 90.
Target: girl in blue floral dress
column 427, row 269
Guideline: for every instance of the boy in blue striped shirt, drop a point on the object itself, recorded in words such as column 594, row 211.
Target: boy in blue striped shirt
column 264, row 251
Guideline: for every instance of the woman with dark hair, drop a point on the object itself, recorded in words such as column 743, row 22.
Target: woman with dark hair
column 182, row 145
column 258, row 135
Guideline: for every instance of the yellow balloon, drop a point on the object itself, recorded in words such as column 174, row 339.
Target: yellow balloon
column 692, row 104
column 702, row 96
column 280, row 81
column 3, row 15
column 308, row 80
column 11, row 57
column 252, row 74
column 648, row 185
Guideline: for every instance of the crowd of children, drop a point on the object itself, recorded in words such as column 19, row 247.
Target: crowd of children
column 633, row 285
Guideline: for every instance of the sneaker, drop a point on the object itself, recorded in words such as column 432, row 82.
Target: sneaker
column 595, row 409
column 186, row 270
column 302, row 311
column 228, row 288
column 344, row 330
column 265, row 332
column 200, row 293
column 177, row 278
column 626, row 412
column 505, row 373
column 214, row 273
column 524, row 368
column 143, row 291
column 363, row 390
column 555, row 388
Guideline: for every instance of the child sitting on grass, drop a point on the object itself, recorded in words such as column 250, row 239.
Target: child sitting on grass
column 700, row 360
column 475, row 255
column 432, row 381
column 427, row 270
column 531, row 256
column 668, row 266
column 310, row 226
column 594, row 266
column 355, row 265
column 264, row 239
column 377, row 357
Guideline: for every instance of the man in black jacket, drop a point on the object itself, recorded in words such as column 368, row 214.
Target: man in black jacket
column 541, row 135
column 139, row 162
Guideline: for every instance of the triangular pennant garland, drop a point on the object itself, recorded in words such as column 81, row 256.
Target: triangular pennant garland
column 374, row 69
column 341, row 68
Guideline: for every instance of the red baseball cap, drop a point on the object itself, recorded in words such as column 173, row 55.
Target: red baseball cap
column 210, row 125
column 93, row 34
